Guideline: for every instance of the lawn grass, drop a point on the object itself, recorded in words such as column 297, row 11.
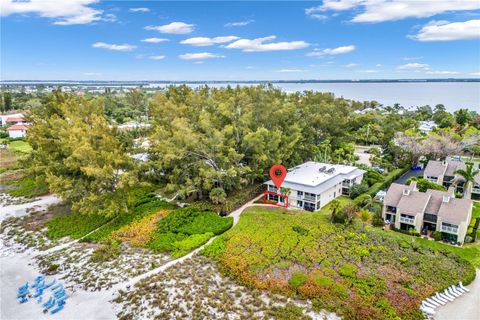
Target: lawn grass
column 20, row 146
column 357, row 272
column 343, row 200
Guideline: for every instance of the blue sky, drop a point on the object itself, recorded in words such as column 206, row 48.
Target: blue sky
column 157, row 40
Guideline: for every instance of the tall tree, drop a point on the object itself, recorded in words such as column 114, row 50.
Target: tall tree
column 79, row 155
column 468, row 175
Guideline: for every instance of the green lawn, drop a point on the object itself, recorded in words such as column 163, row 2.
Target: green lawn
column 356, row 272
column 327, row 210
column 20, row 146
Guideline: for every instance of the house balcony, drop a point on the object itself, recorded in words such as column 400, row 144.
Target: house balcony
column 407, row 220
column 448, row 229
column 309, row 198
column 346, row 184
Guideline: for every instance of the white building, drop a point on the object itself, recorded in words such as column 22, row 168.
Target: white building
column 313, row 185
column 17, row 131
column 427, row 126
column 4, row 117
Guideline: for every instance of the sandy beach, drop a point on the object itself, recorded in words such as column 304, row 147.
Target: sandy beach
column 18, row 210
column 15, row 271
column 465, row 307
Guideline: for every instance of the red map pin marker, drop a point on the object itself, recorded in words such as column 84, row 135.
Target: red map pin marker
column 278, row 174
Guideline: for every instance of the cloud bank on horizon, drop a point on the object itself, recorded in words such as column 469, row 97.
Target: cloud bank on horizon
column 331, row 39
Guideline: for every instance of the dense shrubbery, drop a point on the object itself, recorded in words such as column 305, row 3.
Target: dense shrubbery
column 423, row 184
column 185, row 229
column 360, row 273
column 357, row 189
column 74, row 225
column 392, row 176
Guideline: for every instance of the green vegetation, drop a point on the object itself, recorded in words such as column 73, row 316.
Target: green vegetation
column 387, row 181
column 74, row 225
column 355, row 271
column 185, row 229
column 423, row 184
column 20, row 146
column 28, row 187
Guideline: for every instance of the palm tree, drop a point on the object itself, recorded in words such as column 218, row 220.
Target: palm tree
column 334, row 205
column 468, row 174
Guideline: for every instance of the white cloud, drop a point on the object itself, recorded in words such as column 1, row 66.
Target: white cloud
column 475, row 73
column 204, row 41
column 448, row 31
column 239, row 23
column 389, row 10
column 115, row 47
column 250, row 67
column 378, row 65
column 156, row 57
column 412, row 58
column 199, row 56
column 291, row 70
column 413, row 66
column 259, row 45
column 92, row 74
column 367, row 71
column 63, row 12
column 350, row 65
column 109, row 17
column 139, row 10
column 173, row 28
column 331, row 51
column 154, row 40
column 442, row 72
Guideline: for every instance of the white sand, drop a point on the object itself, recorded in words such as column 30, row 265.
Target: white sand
column 465, row 307
column 81, row 305
column 18, row 210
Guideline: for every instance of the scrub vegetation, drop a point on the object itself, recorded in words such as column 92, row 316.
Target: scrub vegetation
column 357, row 272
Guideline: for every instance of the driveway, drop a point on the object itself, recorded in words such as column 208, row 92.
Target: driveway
column 410, row 173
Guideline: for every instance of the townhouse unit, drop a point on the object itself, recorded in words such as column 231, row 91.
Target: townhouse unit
column 434, row 210
column 443, row 173
column 312, row 185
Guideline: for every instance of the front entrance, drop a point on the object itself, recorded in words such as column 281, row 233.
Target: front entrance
column 429, row 226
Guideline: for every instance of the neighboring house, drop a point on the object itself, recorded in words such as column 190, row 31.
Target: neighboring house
column 4, row 117
column 427, row 126
column 14, row 120
column 313, row 185
column 443, row 173
column 17, row 131
column 434, row 210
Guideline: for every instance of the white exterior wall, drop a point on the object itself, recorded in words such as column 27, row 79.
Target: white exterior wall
column 330, row 194
column 17, row 133
column 4, row 117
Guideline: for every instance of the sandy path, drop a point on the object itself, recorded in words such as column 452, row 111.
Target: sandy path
column 465, row 307
column 19, row 210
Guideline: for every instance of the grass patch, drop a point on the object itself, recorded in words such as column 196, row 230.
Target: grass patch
column 74, row 225
column 183, row 230
column 343, row 200
column 359, row 273
column 28, row 188
column 20, row 146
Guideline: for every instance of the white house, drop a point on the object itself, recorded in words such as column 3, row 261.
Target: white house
column 17, row 131
column 4, row 117
column 427, row 126
column 313, row 185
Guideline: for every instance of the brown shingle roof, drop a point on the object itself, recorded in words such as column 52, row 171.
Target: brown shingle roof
column 455, row 211
column 435, row 168
column 394, row 194
column 17, row 127
column 414, row 203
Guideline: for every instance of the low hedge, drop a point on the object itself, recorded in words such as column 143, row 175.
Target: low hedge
column 392, row 176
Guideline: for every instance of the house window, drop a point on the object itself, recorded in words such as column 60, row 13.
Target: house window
column 300, row 204
column 299, row 194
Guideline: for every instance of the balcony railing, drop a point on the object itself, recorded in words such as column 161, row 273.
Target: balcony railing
column 407, row 220
column 453, row 230
column 309, row 198
column 346, row 184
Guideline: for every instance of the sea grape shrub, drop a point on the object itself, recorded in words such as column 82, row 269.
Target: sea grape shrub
column 185, row 229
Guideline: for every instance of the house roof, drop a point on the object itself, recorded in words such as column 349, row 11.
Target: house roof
column 414, row 203
column 17, row 127
column 14, row 120
column 314, row 177
column 454, row 211
column 435, row 168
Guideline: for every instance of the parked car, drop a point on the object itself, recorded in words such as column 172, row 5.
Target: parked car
column 416, row 168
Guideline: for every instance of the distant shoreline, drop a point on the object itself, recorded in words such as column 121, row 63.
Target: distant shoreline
column 146, row 82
